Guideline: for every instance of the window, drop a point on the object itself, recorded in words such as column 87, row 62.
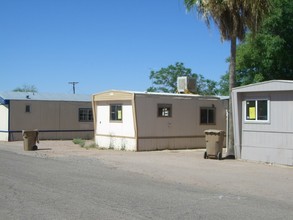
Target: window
column 116, row 112
column 27, row 108
column 164, row 110
column 256, row 110
column 208, row 115
column 85, row 114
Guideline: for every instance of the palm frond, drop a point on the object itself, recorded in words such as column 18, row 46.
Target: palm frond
column 232, row 17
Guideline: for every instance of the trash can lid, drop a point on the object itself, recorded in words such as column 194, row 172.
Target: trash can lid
column 213, row 131
column 29, row 132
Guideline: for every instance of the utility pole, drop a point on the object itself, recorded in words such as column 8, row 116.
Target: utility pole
column 73, row 86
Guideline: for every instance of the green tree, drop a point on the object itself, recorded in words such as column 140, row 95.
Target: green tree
column 269, row 54
column 165, row 80
column 26, row 88
column 206, row 86
column 224, row 85
column 233, row 18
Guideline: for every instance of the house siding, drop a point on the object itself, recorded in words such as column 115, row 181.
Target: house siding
column 111, row 134
column 141, row 129
column 273, row 140
column 265, row 141
column 53, row 119
column 181, row 131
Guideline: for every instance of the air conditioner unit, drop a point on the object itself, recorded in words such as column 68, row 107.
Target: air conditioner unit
column 186, row 84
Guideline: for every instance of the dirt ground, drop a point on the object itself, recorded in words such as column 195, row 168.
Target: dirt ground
column 51, row 149
column 177, row 166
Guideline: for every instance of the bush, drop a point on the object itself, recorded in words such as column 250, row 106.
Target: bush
column 79, row 141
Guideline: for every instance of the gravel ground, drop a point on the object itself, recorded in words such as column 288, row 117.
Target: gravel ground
column 179, row 166
column 51, row 149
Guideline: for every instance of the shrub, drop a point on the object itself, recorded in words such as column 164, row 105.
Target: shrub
column 79, row 141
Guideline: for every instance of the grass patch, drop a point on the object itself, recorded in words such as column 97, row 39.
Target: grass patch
column 93, row 145
column 82, row 143
column 79, row 141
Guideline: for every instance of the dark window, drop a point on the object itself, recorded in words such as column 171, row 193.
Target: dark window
column 262, row 110
column 164, row 110
column 116, row 112
column 256, row 110
column 85, row 114
column 27, row 108
column 208, row 115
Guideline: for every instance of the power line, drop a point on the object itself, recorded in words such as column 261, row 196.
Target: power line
column 73, row 86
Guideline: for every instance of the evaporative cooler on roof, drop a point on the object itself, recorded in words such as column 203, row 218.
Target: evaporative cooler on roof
column 186, row 85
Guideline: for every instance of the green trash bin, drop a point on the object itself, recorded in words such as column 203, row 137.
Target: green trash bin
column 214, row 143
column 30, row 139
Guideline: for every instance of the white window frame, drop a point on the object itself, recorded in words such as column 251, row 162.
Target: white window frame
column 256, row 120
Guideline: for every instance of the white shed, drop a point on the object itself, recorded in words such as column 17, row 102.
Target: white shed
column 56, row 116
column 263, row 122
column 142, row 121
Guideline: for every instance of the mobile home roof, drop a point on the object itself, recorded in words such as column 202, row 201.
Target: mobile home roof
column 272, row 85
column 121, row 94
column 43, row 96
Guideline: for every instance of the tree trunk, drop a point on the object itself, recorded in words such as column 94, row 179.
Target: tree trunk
column 232, row 73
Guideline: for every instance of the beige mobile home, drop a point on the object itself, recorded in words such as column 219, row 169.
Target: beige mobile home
column 56, row 116
column 141, row 121
column 263, row 122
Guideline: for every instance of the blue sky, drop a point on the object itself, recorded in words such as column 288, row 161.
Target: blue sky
column 102, row 44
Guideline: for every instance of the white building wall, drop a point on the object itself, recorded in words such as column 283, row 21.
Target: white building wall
column 117, row 135
column 117, row 143
column 4, row 120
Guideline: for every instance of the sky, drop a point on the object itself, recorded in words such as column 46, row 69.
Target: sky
column 102, row 45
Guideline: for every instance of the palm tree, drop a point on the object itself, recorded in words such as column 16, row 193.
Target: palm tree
column 233, row 18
